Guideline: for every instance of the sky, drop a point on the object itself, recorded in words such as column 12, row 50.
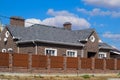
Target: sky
column 101, row 15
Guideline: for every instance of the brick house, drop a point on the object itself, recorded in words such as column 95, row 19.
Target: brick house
column 49, row 40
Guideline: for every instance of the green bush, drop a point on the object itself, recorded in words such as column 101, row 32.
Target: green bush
column 86, row 76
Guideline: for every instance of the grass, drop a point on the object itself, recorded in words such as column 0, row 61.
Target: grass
column 39, row 77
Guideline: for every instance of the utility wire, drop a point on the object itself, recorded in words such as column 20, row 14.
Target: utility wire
column 43, row 24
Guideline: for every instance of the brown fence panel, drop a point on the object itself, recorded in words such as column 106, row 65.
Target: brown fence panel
column 56, row 61
column 110, row 64
column 20, row 60
column 39, row 61
column 86, row 63
column 99, row 64
column 72, row 62
column 4, row 59
column 118, row 64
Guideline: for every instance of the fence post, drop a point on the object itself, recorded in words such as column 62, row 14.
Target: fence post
column 48, row 63
column 104, row 67
column 10, row 62
column 115, row 64
column 30, row 63
column 93, row 63
column 65, row 63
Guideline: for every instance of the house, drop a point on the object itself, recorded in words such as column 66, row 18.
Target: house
column 50, row 40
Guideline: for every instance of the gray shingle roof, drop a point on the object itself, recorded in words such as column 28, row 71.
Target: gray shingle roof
column 49, row 34
column 105, row 46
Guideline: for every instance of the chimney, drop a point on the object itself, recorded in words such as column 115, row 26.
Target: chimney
column 17, row 21
column 67, row 25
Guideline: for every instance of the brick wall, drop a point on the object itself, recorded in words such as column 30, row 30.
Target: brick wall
column 55, row 64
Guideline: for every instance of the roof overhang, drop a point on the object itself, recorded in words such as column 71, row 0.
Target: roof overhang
column 105, row 48
column 51, row 42
column 115, row 52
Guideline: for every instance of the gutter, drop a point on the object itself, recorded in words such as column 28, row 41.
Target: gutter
column 45, row 41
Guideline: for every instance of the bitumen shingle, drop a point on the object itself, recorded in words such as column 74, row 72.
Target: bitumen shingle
column 105, row 46
column 49, row 33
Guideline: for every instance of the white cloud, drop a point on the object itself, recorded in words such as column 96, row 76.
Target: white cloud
column 112, row 4
column 31, row 21
column 59, row 13
column 99, row 12
column 60, row 17
column 111, row 36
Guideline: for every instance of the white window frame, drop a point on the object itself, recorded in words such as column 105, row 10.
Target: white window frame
column 7, row 34
column 71, row 55
column 55, row 50
column 102, row 55
column 5, row 39
column 10, row 49
column 4, row 50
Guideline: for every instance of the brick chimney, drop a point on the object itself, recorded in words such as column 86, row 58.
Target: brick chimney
column 67, row 25
column 17, row 21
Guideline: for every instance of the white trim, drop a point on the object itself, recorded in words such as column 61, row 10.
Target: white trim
column 82, row 53
column 55, row 54
column 10, row 49
column 104, row 55
column 4, row 50
column 7, row 34
column 115, row 52
column 36, row 50
column 18, row 49
column 5, row 39
column 71, row 55
column 92, row 38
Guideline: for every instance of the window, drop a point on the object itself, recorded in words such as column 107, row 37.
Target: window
column 10, row 49
column 7, row 34
column 50, row 51
column 3, row 50
column 102, row 55
column 71, row 53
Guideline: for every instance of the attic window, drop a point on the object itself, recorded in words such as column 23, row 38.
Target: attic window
column 4, row 50
column 7, row 34
column 5, row 39
column 10, row 49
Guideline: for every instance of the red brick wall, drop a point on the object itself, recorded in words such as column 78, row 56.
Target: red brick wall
column 86, row 63
column 72, row 62
column 99, row 64
column 39, row 61
column 4, row 60
column 110, row 64
column 20, row 60
column 56, row 62
column 118, row 64
column 15, row 62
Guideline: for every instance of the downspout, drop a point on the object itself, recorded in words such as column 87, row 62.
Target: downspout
column 36, row 50
column 82, row 52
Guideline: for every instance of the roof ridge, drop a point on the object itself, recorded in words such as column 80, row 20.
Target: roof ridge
column 56, row 27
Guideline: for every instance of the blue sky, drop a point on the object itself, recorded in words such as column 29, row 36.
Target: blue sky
column 102, row 15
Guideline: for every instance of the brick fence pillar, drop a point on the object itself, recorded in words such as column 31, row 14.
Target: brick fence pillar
column 10, row 62
column 115, row 62
column 65, row 63
column 93, row 63
column 30, row 63
column 104, row 66
column 48, row 64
